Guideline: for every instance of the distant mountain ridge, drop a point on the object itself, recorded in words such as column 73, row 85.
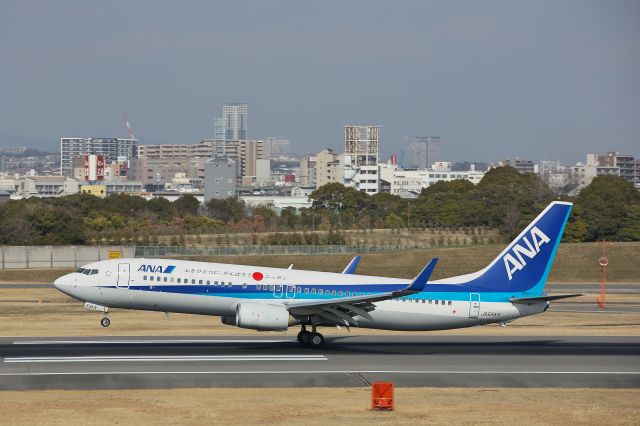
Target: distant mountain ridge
column 29, row 142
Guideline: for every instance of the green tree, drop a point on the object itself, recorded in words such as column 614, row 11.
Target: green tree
column 608, row 205
column 187, row 205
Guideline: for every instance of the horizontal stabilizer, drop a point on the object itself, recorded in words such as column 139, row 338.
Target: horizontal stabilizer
column 542, row 298
column 351, row 267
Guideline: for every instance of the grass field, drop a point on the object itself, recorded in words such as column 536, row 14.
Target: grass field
column 574, row 263
column 314, row 406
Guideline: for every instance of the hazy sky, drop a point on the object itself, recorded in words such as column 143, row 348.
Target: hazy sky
column 495, row 79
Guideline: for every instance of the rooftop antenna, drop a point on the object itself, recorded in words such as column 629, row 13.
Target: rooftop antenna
column 129, row 129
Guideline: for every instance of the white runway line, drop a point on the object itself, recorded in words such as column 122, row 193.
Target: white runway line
column 140, row 341
column 164, row 358
column 484, row 372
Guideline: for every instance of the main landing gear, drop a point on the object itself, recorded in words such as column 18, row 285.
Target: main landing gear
column 313, row 339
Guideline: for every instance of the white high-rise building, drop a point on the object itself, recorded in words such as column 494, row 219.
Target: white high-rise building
column 361, row 144
column 112, row 149
column 235, row 121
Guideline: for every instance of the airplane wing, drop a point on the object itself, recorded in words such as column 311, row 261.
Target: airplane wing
column 343, row 310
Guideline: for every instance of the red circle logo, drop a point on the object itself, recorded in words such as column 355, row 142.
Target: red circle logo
column 257, row 276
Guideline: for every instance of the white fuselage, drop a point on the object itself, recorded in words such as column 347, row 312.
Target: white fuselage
column 217, row 289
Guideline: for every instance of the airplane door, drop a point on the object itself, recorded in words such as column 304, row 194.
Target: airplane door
column 291, row 291
column 123, row 275
column 474, row 305
column 278, row 291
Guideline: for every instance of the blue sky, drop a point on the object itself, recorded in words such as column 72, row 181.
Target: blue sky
column 495, row 79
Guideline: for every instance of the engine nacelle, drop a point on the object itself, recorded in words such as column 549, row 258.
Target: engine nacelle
column 260, row 316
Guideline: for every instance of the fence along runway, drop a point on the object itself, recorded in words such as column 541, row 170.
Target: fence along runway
column 449, row 361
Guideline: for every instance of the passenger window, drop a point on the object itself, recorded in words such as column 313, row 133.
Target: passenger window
column 278, row 287
column 151, row 278
column 244, row 285
column 404, row 298
column 320, row 291
column 200, row 282
column 423, row 301
column 313, row 291
column 333, row 293
column 299, row 290
column 172, row 279
column 449, row 302
column 208, row 282
column 258, row 287
column 340, row 293
column 144, row 278
column 215, row 282
column 348, row 293
column 166, row 279
column 270, row 288
column 306, row 291
column 193, row 281
column 429, row 301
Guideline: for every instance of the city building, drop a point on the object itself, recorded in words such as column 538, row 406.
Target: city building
column 158, row 172
column 522, row 166
column 409, row 183
column 44, row 186
column 235, row 121
column 426, row 151
column 113, row 149
column 204, row 149
column 219, row 179
column 276, row 203
column 276, row 147
column 627, row 164
column 329, row 167
column 219, row 133
column 361, row 144
column 307, row 171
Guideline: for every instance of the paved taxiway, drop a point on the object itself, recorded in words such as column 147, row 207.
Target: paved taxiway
column 165, row 362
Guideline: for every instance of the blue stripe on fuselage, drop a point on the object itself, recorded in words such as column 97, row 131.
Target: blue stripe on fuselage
column 435, row 292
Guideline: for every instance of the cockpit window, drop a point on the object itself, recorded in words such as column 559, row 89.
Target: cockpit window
column 86, row 271
column 80, row 270
column 93, row 272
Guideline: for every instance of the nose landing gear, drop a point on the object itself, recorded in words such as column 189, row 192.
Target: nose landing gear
column 312, row 339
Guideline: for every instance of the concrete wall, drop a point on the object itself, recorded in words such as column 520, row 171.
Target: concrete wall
column 20, row 257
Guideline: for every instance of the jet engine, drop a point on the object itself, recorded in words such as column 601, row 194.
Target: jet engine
column 260, row 316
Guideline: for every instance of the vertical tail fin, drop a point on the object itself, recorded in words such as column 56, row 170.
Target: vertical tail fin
column 525, row 264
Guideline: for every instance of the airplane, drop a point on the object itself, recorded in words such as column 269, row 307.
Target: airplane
column 274, row 299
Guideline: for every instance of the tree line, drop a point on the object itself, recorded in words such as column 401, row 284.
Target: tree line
column 506, row 200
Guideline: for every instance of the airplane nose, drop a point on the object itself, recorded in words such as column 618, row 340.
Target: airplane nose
column 63, row 283
column 59, row 282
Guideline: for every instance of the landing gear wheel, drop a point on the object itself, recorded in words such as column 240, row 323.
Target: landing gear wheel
column 105, row 322
column 304, row 337
column 316, row 340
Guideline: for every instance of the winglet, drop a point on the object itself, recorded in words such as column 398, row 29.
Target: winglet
column 419, row 283
column 351, row 267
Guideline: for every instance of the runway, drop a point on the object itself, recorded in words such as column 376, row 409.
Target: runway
column 354, row 361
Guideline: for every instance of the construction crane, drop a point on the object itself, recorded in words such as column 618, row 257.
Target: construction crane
column 129, row 129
